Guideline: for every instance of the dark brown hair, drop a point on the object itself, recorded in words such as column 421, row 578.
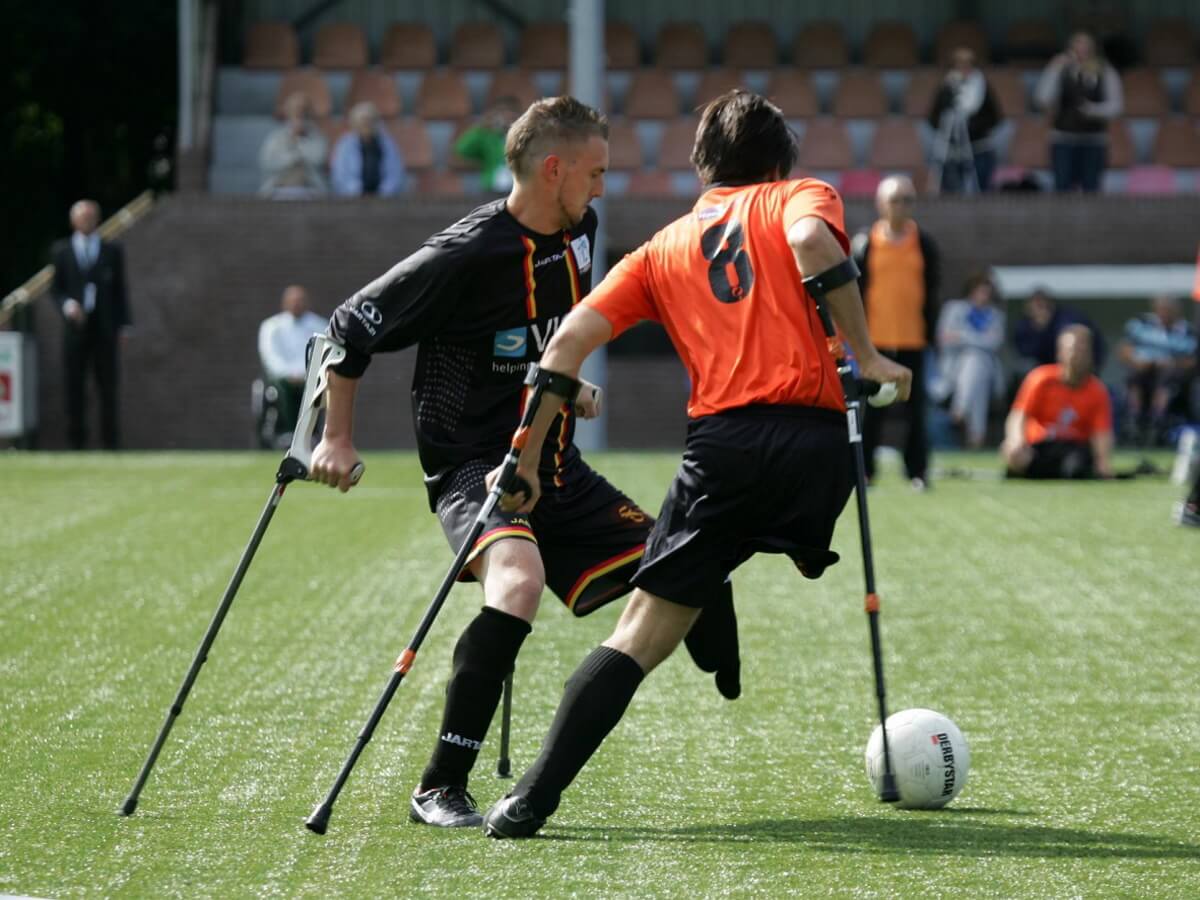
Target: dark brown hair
column 546, row 123
column 742, row 138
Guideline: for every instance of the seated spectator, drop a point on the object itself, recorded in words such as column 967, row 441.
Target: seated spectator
column 965, row 114
column 1187, row 513
column 365, row 159
column 293, row 155
column 1037, row 331
column 970, row 333
column 1159, row 350
column 282, row 340
column 483, row 143
column 1082, row 92
column 1060, row 425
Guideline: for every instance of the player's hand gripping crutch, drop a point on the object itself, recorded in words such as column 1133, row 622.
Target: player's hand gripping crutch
column 507, row 482
column 322, row 354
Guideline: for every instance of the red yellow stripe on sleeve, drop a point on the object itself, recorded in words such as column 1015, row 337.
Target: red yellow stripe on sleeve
column 560, row 445
column 530, row 281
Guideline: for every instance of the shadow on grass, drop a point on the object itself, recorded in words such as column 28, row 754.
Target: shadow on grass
column 932, row 833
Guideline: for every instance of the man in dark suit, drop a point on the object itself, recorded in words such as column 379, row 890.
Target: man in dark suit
column 89, row 289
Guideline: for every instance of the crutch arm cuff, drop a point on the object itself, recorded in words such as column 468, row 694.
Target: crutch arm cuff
column 554, row 382
column 822, row 283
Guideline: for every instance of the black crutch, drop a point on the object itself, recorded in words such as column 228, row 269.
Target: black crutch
column 504, row 764
column 323, row 353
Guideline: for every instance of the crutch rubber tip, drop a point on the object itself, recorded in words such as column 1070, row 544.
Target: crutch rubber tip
column 128, row 807
column 504, row 769
column 888, row 793
column 318, row 822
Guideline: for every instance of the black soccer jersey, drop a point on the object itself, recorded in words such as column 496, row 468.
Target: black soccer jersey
column 481, row 300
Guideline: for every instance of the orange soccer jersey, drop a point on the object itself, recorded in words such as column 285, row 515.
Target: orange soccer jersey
column 724, row 283
column 1056, row 411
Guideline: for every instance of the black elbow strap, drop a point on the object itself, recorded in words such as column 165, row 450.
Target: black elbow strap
column 555, row 382
column 831, row 279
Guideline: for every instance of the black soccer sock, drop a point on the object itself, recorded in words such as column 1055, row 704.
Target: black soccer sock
column 712, row 642
column 1193, row 499
column 595, row 698
column 483, row 658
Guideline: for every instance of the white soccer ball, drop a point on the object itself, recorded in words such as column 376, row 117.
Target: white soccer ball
column 930, row 758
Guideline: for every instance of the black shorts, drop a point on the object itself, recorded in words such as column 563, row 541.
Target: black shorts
column 1061, row 459
column 760, row 479
column 590, row 536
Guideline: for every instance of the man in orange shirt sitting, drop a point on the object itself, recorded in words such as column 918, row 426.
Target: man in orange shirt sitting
column 1060, row 425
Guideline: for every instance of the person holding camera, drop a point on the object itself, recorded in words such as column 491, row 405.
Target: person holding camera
column 965, row 114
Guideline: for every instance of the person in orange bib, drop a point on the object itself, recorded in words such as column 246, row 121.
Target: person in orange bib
column 1060, row 425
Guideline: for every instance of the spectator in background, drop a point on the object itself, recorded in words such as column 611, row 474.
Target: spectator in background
column 1060, row 425
column 1082, row 92
column 282, row 341
column 483, row 144
column 900, row 272
column 365, row 159
column 89, row 290
column 1159, row 349
column 1187, row 513
column 965, row 114
column 1037, row 331
column 970, row 333
column 293, row 155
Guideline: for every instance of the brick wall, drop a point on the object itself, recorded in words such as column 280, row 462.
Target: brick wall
column 204, row 271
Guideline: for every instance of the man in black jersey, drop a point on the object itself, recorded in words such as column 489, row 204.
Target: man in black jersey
column 481, row 300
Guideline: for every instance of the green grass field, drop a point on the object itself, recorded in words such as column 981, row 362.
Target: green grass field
column 1058, row 625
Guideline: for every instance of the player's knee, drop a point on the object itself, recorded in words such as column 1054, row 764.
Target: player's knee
column 516, row 590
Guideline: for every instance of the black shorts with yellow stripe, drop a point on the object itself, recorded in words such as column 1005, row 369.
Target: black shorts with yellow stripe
column 590, row 536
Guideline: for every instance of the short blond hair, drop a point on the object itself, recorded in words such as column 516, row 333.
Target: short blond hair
column 546, row 123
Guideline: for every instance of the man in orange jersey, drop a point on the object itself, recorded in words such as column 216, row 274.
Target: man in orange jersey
column 1060, row 425
column 900, row 279
column 735, row 282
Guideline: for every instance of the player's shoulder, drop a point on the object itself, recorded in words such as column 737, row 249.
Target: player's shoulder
column 1043, row 374
column 475, row 230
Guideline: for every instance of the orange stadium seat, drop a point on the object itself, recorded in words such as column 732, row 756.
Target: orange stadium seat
column 477, row 45
column 443, row 95
column 860, row 182
column 1177, row 143
column 1121, row 153
column 1170, row 42
column 1009, row 88
column 621, row 46
column 821, row 45
column 340, row 45
column 624, row 148
column 751, row 45
column 271, row 45
column 413, row 140
column 715, row 82
column 652, row 95
column 919, row 92
column 859, row 95
column 1033, row 40
column 675, row 151
column 515, row 83
column 433, row 181
column 963, row 33
column 896, row 146
column 792, row 91
column 310, row 83
column 891, row 45
column 408, row 45
column 1144, row 93
column 825, row 145
column 378, row 88
column 543, row 45
column 681, row 45
column 1030, row 147
column 1191, row 99
column 652, row 183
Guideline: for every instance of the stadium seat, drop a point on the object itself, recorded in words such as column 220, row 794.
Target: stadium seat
column 1121, row 153
column 1031, row 40
column 408, row 45
column 825, row 145
column 714, row 83
column 675, row 151
column 1170, row 42
column 860, row 182
column 621, row 46
column 891, row 45
column 310, row 83
column 792, row 91
column 543, row 45
column 378, row 88
column 624, row 146
column 896, row 146
column 751, row 45
column 443, row 95
column 1144, row 93
column 1030, row 147
column 652, row 183
column 681, row 45
column 477, row 45
column 821, row 45
column 412, row 138
column 652, row 95
column 340, row 45
column 1009, row 88
column 919, row 92
column 859, row 95
column 515, row 83
column 962, row 33
column 271, row 45
column 432, row 181
column 1151, row 180
column 1177, row 143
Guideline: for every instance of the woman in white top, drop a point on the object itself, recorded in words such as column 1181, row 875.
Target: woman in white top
column 970, row 333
